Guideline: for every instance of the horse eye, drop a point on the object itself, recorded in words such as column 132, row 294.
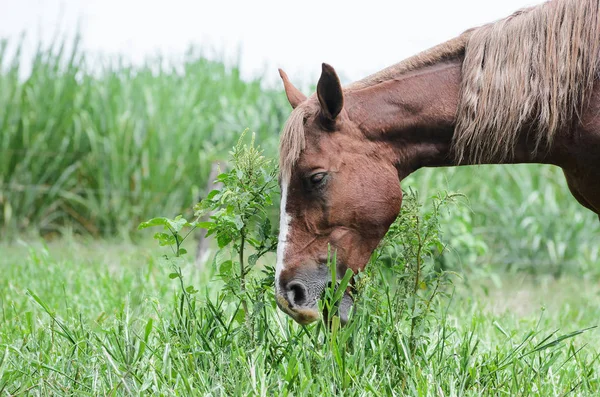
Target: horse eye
column 317, row 179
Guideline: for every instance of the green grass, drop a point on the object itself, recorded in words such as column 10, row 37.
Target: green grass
column 84, row 317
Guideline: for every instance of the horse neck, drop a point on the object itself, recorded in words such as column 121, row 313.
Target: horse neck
column 415, row 115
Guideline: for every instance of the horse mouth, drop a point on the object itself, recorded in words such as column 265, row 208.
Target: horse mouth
column 309, row 314
column 302, row 315
column 306, row 295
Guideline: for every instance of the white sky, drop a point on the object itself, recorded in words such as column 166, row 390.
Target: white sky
column 357, row 38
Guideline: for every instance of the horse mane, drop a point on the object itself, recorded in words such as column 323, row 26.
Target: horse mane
column 533, row 72
column 534, row 69
column 447, row 50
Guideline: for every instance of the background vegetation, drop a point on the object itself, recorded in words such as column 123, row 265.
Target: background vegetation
column 98, row 149
column 88, row 307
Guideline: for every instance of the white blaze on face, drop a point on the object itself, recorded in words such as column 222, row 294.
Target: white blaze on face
column 284, row 224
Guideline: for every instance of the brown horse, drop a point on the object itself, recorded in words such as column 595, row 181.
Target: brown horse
column 521, row 90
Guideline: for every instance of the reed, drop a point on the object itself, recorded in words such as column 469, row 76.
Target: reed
column 100, row 148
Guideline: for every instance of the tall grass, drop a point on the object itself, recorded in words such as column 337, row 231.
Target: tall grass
column 94, row 318
column 100, row 149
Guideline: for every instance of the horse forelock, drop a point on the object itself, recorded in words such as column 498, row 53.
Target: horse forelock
column 292, row 142
column 532, row 71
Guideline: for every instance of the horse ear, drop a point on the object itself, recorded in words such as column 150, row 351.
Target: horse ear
column 329, row 92
column 295, row 97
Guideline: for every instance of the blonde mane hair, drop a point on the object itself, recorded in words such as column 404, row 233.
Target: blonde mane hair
column 292, row 141
column 533, row 70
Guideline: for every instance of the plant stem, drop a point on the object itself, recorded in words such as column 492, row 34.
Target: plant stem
column 243, row 279
column 413, row 321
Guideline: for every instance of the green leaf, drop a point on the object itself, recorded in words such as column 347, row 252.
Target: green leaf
column 210, row 232
column 177, row 224
column 173, row 275
column 147, row 331
column 165, row 239
column 221, row 178
column 205, row 225
column 153, row 222
column 225, row 267
column 191, row 290
column 265, row 229
column 240, row 316
column 255, row 243
column 212, row 194
column 223, row 240
column 252, row 259
column 239, row 223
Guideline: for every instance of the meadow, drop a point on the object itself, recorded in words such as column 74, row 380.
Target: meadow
column 88, row 317
column 91, row 306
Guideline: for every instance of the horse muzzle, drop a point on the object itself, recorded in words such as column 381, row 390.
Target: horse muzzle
column 299, row 297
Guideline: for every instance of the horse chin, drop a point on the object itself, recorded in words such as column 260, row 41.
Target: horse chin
column 308, row 315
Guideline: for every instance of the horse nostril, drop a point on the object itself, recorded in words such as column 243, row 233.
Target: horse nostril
column 296, row 293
